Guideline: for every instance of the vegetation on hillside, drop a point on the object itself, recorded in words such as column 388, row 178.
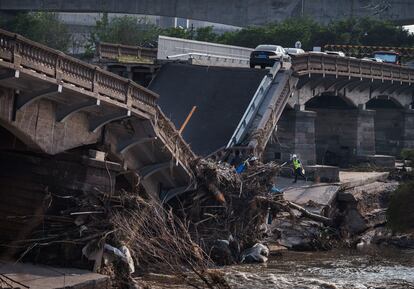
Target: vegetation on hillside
column 48, row 29
column 43, row 27
column 352, row 31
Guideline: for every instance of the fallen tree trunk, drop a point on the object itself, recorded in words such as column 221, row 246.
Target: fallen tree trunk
column 315, row 217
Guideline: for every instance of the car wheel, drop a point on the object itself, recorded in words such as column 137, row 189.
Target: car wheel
column 252, row 65
column 263, row 66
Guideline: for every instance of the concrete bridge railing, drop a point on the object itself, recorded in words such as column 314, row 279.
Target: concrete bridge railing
column 19, row 51
column 115, row 51
column 310, row 63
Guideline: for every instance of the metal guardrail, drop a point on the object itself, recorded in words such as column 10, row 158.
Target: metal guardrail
column 24, row 53
column 253, row 106
column 320, row 63
column 115, row 51
column 264, row 130
column 262, row 133
column 211, row 59
column 192, row 55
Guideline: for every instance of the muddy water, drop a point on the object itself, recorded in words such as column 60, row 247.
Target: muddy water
column 322, row 270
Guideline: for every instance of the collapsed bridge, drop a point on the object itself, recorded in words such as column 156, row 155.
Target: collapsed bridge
column 55, row 109
column 54, row 105
column 317, row 105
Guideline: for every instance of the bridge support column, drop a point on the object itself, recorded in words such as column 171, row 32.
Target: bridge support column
column 304, row 136
column 365, row 144
column 408, row 130
column 295, row 134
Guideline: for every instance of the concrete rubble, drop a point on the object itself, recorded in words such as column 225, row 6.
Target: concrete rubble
column 364, row 207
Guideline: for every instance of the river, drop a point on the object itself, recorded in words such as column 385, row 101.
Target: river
column 372, row 268
column 376, row 268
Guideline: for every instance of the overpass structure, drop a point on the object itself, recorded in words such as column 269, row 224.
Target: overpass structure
column 232, row 12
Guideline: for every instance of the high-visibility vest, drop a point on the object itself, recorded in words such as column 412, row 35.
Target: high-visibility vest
column 296, row 164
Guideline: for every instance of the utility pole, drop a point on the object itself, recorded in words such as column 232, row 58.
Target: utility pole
column 303, row 8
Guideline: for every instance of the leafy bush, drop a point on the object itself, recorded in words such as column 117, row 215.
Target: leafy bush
column 400, row 212
column 407, row 154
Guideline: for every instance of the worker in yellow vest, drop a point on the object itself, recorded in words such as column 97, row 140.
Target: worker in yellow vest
column 298, row 168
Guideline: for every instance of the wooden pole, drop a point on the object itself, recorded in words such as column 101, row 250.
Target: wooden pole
column 187, row 119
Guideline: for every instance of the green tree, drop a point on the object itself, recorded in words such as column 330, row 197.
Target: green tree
column 178, row 32
column 43, row 27
column 376, row 32
column 128, row 30
column 137, row 31
column 206, row 34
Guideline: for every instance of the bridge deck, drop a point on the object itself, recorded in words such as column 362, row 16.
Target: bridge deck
column 220, row 94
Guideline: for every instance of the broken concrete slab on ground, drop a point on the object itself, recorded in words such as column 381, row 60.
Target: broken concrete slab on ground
column 18, row 275
column 364, row 206
column 354, row 205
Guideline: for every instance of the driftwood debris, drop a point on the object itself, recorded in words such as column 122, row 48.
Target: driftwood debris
column 112, row 233
column 318, row 218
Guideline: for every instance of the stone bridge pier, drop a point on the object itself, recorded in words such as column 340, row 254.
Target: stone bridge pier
column 295, row 134
column 323, row 135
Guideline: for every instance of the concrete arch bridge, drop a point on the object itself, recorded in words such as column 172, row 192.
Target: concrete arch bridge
column 343, row 109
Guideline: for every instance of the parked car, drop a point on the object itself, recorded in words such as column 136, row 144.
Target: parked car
column 267, row 55
column 337, row 53
column 294, row 51
column 388, row 57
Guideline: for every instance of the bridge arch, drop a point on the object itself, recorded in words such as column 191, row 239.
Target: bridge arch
column 330, row 100
column 335, row 137
column 384, row 101
column 388, row 124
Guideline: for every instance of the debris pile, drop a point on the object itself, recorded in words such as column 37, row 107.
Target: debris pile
column 122, row 234
column 227, row 203
column 230, row 212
